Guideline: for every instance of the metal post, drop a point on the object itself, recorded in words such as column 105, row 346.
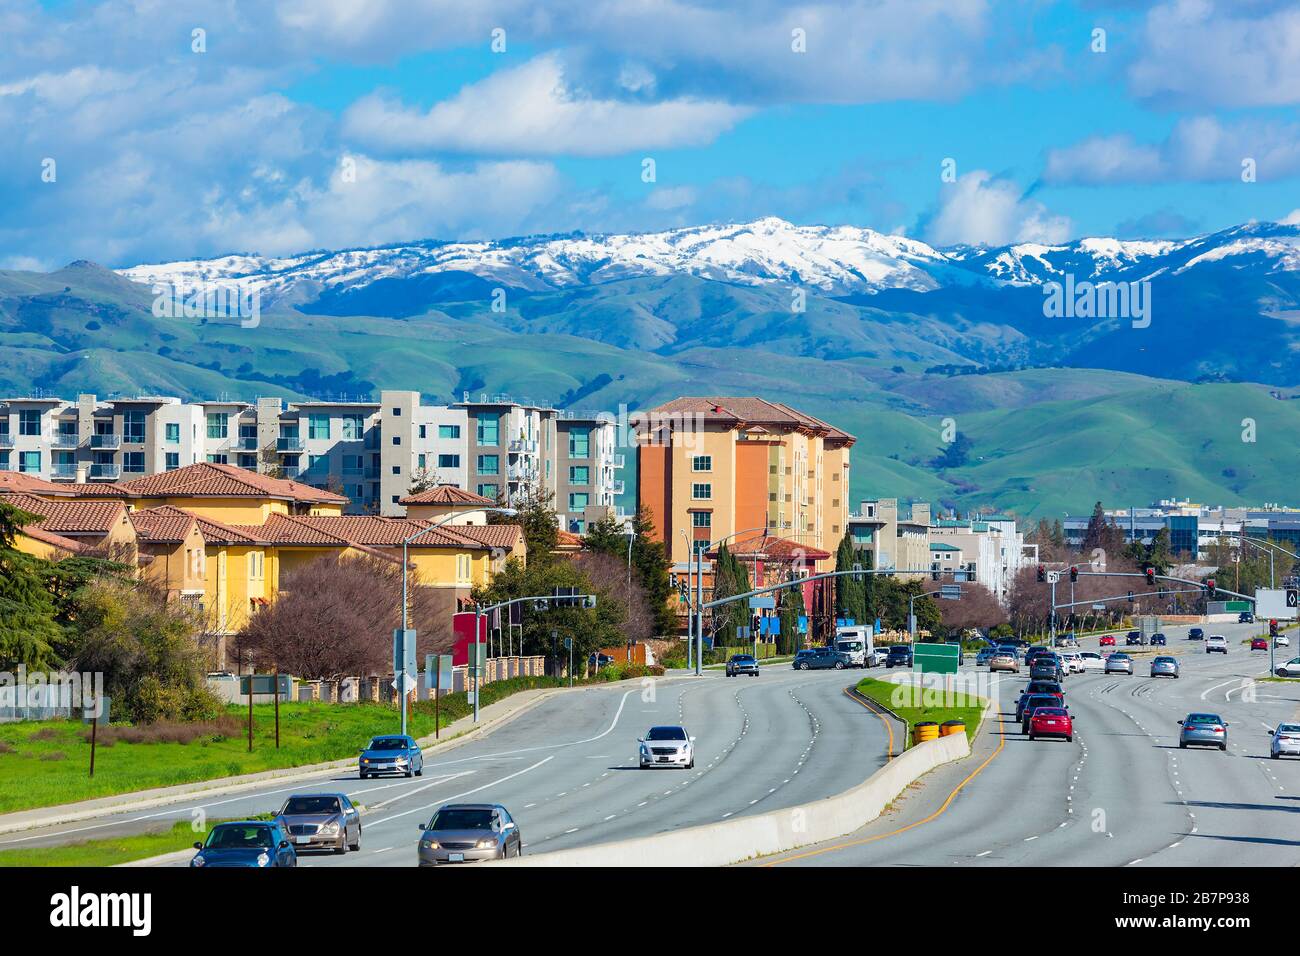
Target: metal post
column 437, row 688
column 1052, row 624
column 911, row 618
column 276, row 695
column 699, row 610
column 94, row 727
column 250, row 707
column 401, row 678
column 478, row 680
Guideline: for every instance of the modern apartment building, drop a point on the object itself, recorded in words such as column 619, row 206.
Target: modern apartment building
column 897, row 537
column 986, row 549
column 588, row 462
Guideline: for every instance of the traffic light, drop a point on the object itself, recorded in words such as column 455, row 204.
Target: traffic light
column 1272, row 628
column 1042, row 574
column 1151, row 577
column 1209, row 588
column 1074, row 574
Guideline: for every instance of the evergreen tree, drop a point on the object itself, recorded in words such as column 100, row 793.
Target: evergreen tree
column 1095, row 536
column 850, row 592
column 792, row 607
column 649, row 561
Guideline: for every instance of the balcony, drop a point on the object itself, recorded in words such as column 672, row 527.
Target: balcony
column 63, row 471
column 618, row 461
column 523, row 446
column 65, row 440
column 105, row 472
column 288, row 444
column 7, row 440
column 617, row 487
column 105, row 441
column 246, row 444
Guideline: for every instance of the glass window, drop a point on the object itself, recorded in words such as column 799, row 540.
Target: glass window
column 489, row 465
column 449, row 461
column 448, row 431
column 580, row 442
column 701, row 519
column 218, row 424
column 488, row 491
column 172, row 459
column 702, row 491
column 29, row 461
column 352, row 464
column 419, row 462
column 702, row 463
column 489, row 429
column 353, row 427
column 318, row 426
column 577, row 501
column 29, row 421
column 579, row 475
column 133, row 461
column 318, row 462
column 248, row 431
column 173, row 433
column 217, row 460
column 133, row 426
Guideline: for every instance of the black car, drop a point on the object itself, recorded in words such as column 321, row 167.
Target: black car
column 738, row 664
column 900, row 655
column 819, row 658
column 1195, row 634
column 1026, row 706
column 1045, row 687
column 1245, row 617
column 1158, row 640
column 1134, row 637
column 1046, row 667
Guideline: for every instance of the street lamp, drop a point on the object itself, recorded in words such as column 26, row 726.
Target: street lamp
column 630, row 530
column 406, row 542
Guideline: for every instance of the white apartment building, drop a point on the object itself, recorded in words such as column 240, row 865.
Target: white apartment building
column 987, row 549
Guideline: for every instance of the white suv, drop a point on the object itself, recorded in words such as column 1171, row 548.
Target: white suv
column 1216, row 644
column 667, row 747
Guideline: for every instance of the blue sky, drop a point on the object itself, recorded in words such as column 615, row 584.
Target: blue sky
column 300, row 124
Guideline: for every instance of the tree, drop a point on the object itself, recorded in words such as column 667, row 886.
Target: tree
column 649, row 561
column 268, row 456
column 850, row 591
column 422, row 479
column 1094, row 536
column 792, row 608
column 730, row 577
column 977, row 608
column 535, row 514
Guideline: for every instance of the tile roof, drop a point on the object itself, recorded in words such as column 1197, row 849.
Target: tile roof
column 214, row 532
column 162, row 525
column 17, row 481
column 207, row 479
column 749, row 410
column 305, row 531
column 567, row 540
column 50, row 538
column 768, row 548
column 445, row 495
column 495, row 535
column 68, row 516
column 381, row 532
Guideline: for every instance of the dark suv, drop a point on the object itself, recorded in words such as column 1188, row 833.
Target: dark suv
column 818, row 658
column 1195, row 634
column 1025, row 707
column 738, row 664
column 900, row 655
column 1046, row 667
column 1134, row 637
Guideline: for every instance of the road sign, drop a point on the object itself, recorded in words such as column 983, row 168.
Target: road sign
column 264, row 684
column 1277, row 602
column 440, row 677
column 936, row 658
column 762, row 601
column 950, row 592
column 404, row 659
column 1099, row 607
column 1053, row 577
column 404, row 682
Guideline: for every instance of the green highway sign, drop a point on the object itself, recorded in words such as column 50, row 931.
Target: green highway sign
column 936, row 658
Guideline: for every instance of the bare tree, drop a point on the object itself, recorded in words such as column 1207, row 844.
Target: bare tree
column 609, row 580
column 977, row 607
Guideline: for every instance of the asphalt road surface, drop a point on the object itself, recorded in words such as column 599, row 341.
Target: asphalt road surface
column 1123, row 793
column 568, row 772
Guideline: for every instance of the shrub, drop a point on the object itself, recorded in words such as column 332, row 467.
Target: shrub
column 54, row 755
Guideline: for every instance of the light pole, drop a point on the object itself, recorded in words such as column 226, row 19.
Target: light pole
column 630, row 530
column 406, row 563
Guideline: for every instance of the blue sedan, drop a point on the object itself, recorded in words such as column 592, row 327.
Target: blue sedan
column 392, row 754
column 246, row 843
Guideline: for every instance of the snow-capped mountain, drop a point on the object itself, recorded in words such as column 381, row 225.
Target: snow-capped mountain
column 835, row 260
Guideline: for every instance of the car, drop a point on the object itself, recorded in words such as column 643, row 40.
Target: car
column 1091, row 661
column 818, row 658
column 1031, row 704
column 879, row 656
column 1004, row 661
column 599, row 660
column 1259, row 644
column 1046, row 667
column 1245, row 617
column 1290, row 669
column 1281, row 641
column 669, row 746
column 1164, row 667
column 1067, row 640
column 1203, row 730
column 245, row 843
column 984, row 655
column 1216, row 644
column 1285, row 741
column 321, row 821
column 1195, row 634
column 900, row 655
column 1035, row 652
column 1070, row 662
column 1118, row 663
column 1051, row 722
column 391, row 753
column 1107, row 640
column 1046, row 687
column 738, row 664
column 1158, row 640
column 1133, row 639
column 469, row 833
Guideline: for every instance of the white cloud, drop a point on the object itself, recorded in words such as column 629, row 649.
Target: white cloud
column 1291, row 219
column 981, row 209
column 534, row 110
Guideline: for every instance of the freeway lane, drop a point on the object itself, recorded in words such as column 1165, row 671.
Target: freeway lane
column 1122, row 793
column 567, row 770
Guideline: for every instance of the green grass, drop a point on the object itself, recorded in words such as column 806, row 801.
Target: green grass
column 46, row 763
column 112, row 850
column 883, row 692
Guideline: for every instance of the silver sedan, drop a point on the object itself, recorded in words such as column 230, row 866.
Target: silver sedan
column 1119, row 664
column 1164, row 667
column 469, row 833
column 1285, row 741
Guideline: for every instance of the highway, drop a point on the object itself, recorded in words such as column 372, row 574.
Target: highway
column 1122, row 793
column 567, row 769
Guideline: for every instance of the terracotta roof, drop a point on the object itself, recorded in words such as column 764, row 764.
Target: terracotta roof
column 207, row 479
column 768, row 548
column 303, row 531
column 162, row 525
column 493, row 535
column 68, row 516
column 214, row 532
column 445, row 495
column 567, row 540
column 746, row 411
column 17, row 481
column 381, row 532
column 50, row 538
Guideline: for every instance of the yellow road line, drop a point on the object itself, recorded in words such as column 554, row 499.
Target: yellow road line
column 889, row 727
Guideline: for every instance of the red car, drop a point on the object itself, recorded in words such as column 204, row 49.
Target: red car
column 1259, row 644
column 1051, row 722
column 1108, row 640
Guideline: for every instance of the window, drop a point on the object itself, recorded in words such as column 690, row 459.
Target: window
column 318, row 462
column 578, row 527
column 217, row 460
column 701, row 519
column 172, row 434
column 488, row 491
column 702, row 491
column 397, row 469
column 702, row 463
column 354, row 427
column 449, row 461
column 352, row 464
column 218, row 424
column 133, row 426
column 419, row 462
column 397, row 413
column 462, row 567
column 133, row 461
column 397, row 439
column 577, row 501
column 489, row 429
column 29, row 461
column 489, row 465
column 29, row 421
column 4, row 461
column 318, row 426
column 423, row 433
column 580, row 442
column 579, row 475
column 172, row 460
column 449, row 431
